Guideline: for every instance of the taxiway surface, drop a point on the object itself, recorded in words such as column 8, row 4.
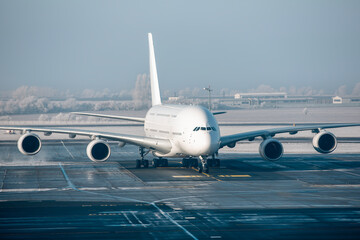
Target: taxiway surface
column 60, row 193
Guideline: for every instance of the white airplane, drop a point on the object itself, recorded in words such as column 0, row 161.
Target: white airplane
column 177, row 131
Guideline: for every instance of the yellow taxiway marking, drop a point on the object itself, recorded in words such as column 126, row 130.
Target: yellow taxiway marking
column 207, row 175
column 234, row 176
column 188, row 176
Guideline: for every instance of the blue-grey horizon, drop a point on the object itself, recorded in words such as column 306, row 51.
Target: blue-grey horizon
column 226, row 44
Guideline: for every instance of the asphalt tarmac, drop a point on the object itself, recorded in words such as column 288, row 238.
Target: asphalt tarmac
column 59, row 193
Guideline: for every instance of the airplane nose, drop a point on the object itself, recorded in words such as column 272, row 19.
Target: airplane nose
column 209, row 144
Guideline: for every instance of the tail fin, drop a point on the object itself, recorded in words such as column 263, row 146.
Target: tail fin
column 155, row 91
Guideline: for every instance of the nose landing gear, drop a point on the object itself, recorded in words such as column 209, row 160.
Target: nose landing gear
column 205, row 163
column 203, row 166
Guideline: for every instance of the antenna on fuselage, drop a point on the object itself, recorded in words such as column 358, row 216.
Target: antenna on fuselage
column 155, row 91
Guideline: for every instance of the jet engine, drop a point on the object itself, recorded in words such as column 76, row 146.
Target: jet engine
column 324, row 142
column 29, row 144
column 232, row 145
column 271, row 149
column 98, row 150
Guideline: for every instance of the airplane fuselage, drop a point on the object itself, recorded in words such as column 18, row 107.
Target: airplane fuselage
column 192, row 130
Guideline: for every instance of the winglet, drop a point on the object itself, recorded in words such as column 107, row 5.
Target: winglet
column 155, row 91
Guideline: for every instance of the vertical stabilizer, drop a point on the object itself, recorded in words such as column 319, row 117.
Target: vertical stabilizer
column 155, row 91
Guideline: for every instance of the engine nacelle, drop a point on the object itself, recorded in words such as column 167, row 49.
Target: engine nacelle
column 29, row 144
column 98, row 150
column 271, row 149
column 324, row 142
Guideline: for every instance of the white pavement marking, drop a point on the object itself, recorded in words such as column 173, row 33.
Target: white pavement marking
column 166, row 215
column 173, row 221
column 28, row 189
column 134, row 214
column 67, row 149
column 3, row 180
column 347, row 171
column 70, row 184
column 128, row 219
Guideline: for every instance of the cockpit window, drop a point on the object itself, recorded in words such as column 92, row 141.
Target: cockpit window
column 204, row 129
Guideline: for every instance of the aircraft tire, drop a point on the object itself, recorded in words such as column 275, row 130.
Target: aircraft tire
column 138, row 163
column 217, row 162
column 194, row 163
column 200, row 168
column 155, row 163
column 206, row 168
column 146, row 163
column 185, row 162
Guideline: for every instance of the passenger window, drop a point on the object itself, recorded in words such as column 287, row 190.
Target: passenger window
column 203, row 128
column 213, row 128
column 208, row 128
column 195, row 129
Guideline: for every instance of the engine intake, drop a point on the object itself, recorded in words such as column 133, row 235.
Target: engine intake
column 271, row 149
column 324, row 142
column 98, row 150
column 29, row 144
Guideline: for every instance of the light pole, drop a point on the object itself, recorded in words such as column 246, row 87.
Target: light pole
column 209, row 90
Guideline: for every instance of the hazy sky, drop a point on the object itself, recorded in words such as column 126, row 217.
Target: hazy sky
column 228, row 44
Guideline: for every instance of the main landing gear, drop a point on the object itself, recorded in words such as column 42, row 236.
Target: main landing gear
column 142, row 161
column 157, row 162
column 189, row 162
column 213, row 162
column 160, row 162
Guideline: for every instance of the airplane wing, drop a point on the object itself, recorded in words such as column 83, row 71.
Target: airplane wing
column 266, row 133
column 218, row 113
column 158, row 144
column 134, row 119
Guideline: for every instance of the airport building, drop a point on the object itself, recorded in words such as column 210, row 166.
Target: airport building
column 276, row 99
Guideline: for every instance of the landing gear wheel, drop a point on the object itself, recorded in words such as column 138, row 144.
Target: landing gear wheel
column 200, row 168
column 165, row 163
column 210, row 162
column 206, row 168
column 146, row 163
column 155, row 163
column 189, row 162
column 160, row 162
column 185, row 162
column 217, row 162
column 194, row 163
column 138, row 163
